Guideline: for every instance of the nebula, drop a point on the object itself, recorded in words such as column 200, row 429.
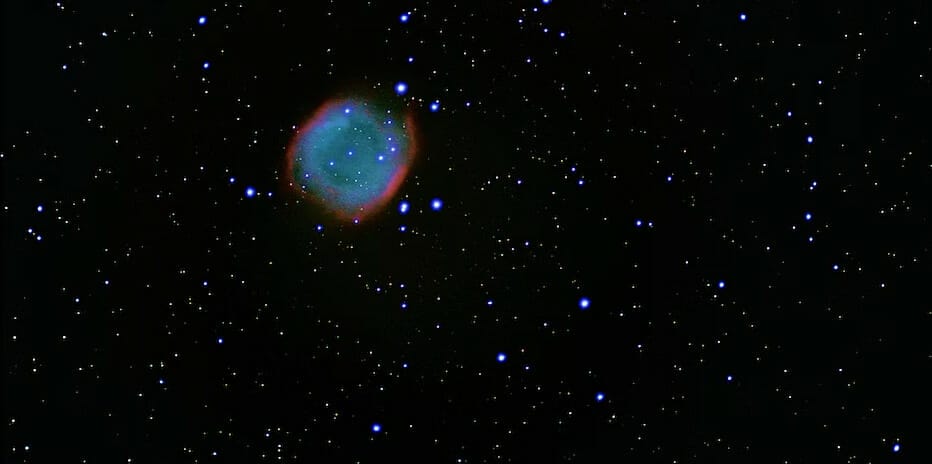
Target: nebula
column 351, row 157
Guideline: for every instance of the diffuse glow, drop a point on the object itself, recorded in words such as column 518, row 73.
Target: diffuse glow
column 351, row 157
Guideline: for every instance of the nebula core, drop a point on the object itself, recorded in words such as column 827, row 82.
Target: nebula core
column 351, row 157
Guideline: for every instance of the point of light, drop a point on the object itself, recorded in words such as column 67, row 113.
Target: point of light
column 789, row 114
column 809, row 139
column 743, row 17
column 808, row 216
column 232, row 179
column 896, row 447
column 435, row 106
column 721, row 284
column 729, row 378
column 39, row 208
column 206, row 64
column 834, row 267
column 638, row 223
column 404, row 17
column 599, row 397
column 202, row 20
column 403, row 207
column 250, row 192
column 436, row 204
column 401, row 88
column 584, row 303
column 488, row 303
column 220, row 341
column 545, row 2
column 376, row 428
column 410, row 59
column 161, row 381
column 501, row 357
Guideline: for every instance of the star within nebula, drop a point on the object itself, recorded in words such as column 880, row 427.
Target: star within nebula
column 351, row 157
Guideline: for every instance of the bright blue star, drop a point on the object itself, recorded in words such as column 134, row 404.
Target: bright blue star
column 896, row 447
column 599, row 397
column 202, row 20
column 501, row 357
column 743, row 17
column 40, row 208
column 638, row 223
column 789, row 114
column 401, row 88
column 809, row 139
column 220, row 341
column 729, row 378
column 808, row 216
column 436, row 204
column 721, row 284
column 250, row 192
column 404, row 17
column 584, row 303
column 403, row 207
column 435, row 106
column 206, row 65
column 545, row 2
column 376, row 428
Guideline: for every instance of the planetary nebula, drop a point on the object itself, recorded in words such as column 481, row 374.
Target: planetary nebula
column 351, row 157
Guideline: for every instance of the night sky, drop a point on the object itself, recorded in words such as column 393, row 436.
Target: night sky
column 673, row 232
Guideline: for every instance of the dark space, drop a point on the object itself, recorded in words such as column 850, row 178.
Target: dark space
column 669, row 233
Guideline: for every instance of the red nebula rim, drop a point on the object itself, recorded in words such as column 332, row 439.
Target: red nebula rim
column 367, row 209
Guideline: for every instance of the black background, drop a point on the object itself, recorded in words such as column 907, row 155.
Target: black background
column 130, row 149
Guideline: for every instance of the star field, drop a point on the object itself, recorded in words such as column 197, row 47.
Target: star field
column 633, row 232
